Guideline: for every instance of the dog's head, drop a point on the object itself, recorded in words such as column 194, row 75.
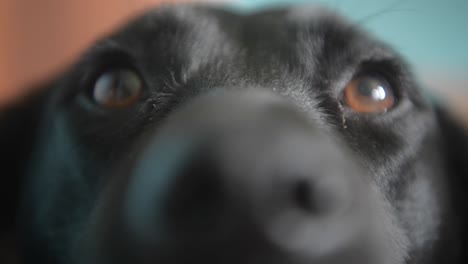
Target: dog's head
column 195, row 135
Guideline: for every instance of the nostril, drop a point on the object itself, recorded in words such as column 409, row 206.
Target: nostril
column 207, row 192
column 191, row 198
column 302, row 195
column 314, row 198
column 196, row 198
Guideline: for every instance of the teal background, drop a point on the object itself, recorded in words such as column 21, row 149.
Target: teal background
column 431, row 34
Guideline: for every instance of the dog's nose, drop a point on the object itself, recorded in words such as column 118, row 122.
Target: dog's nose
column 236, row 168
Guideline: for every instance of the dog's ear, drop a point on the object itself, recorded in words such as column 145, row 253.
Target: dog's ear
column 455, row 151
column 18, row 126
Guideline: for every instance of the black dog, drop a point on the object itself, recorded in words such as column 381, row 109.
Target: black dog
column 196, row 135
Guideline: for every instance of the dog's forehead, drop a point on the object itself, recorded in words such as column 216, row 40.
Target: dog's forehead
column 204, row 34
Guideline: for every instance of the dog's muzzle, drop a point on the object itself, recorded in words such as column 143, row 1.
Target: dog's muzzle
column 247, row 177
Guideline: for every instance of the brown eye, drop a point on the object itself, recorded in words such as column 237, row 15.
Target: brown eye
column 368, row 94
column 117, row 88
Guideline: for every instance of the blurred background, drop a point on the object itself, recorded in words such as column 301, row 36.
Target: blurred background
column 39, row 38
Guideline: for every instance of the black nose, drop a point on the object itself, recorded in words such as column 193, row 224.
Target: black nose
column 236, row 168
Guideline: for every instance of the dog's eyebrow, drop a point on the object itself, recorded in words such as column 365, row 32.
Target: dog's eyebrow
column 107, row 43
column 104, row 45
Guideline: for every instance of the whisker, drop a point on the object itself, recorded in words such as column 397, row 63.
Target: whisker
column 383, row 12
column 391, row 8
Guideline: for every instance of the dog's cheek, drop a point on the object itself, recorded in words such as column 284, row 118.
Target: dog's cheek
column 18, row 125
column 420, row 216
column 103, row 238
column 56, row 196
column 424, row 208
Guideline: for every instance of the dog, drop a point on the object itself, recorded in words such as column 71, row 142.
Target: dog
column 199, row 135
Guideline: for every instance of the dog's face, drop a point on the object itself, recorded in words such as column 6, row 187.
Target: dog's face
column 195, row 135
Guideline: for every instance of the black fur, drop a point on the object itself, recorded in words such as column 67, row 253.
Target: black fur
column 59, row 149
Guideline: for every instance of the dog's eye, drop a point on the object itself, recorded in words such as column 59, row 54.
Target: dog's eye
column 369, row 94
column 117, row 88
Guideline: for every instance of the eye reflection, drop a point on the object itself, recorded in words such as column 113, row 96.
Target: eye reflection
column 117, row 88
